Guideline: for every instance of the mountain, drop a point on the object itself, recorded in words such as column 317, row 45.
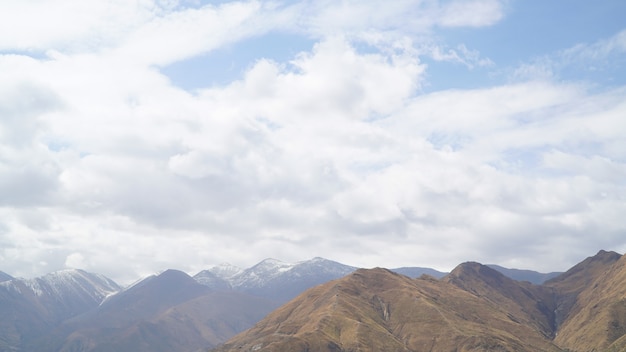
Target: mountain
column 5, row 277
column 211, row 280
column 529, row 304
column 282, row 281
column 569, row 285
column 592, row 304
column 165, row 312
column 531, row 276
column 31, row 307
column 272, row 279
column 378, row 310
column 473, row 308
column 322, row 305
column 416, row 272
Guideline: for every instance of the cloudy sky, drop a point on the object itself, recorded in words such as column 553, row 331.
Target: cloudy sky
column 142, row 135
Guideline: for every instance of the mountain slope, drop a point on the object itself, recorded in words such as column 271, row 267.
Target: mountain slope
column 569, row 285
column 415, row 272
column 168, row 312
column 597, row 319
column 529, row 304
column 377, row 310
column 210, row 279
column 5, row 277
column 31, row 307
column 531, row 276
column 273, row 279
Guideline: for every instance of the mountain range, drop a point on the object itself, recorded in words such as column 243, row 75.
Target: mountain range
column 474, row 305
column 473, row 308
column 5, row 277
column 32, row 307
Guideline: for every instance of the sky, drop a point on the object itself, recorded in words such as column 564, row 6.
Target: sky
column 142, row 135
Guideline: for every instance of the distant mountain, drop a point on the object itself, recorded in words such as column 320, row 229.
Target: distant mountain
column 166, row 312
column 210, row 279
column 326, row 306
column 31, row 307
column 273, row 279
column 280, row 281
column 474, row 308
column 5, row 277
column 534, row 277
column 415, row 272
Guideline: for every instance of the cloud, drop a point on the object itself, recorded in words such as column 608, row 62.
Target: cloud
column 167, row 39
column 603, row 55
column 408, row 16
column 336, row 152
column 38, row 26
column 462, row 55
column 483, row 13
column 598, row 51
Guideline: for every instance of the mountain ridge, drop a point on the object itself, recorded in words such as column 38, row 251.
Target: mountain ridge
column 5, row 277
column 38, row 305
column 473, row 308
column 379, row 310
column 174, row 311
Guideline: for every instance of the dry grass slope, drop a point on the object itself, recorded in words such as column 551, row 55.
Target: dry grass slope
column 597, row 319
column 474, row 308
column 377, row 310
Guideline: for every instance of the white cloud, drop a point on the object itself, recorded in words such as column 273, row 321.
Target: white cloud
column 597, row 51
column 462, row 55
column 474, row 13
column 357, row 18
column 74, row 25
column 167, row 39
column 105, row 164
column 600, row 55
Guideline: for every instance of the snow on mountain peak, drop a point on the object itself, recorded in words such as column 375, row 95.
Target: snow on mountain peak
column 225, row 270
column 272, row 264
column 68, row 282
column 268, row 270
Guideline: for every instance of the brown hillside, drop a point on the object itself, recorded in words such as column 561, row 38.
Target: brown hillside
column 529, row 304
column 597, row 319
column 580, row 277
column 377, row 310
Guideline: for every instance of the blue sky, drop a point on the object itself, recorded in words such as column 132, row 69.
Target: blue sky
column 141, row 136
column 533, row 30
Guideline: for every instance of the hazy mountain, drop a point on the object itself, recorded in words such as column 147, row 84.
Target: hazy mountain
column 416, row 272
column 210, row 279
column 5, row 277
column 166, row 312
column 273, row 279
column 31, row 307
column 531, row 276
column 474, row 308
column 328, row 306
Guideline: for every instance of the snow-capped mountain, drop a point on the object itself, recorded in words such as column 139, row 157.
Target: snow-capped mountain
column 5, row 277
column 273, row 278
column 72, row 310
column 261, row 273
column 169, row 311
column 70, row 284
column 225, row 270
column 38, row 305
